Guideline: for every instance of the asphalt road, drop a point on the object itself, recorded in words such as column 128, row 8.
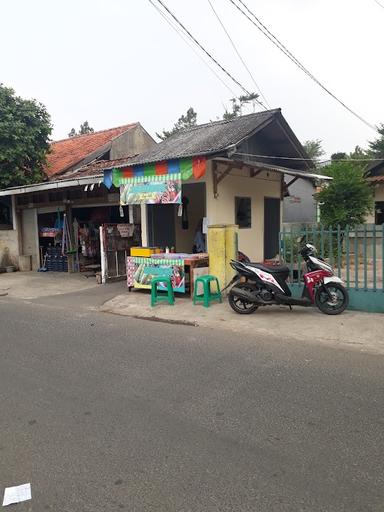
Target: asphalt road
column 106, row 413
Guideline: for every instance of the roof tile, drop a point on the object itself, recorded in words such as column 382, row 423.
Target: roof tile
column 68, row 152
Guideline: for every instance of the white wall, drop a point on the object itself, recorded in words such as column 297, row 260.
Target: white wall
column 378, row 193
column 222, row 209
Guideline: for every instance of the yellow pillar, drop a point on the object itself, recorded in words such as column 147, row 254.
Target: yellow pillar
column 222, row 248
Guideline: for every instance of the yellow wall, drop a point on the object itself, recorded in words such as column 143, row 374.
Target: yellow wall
column 222, row 209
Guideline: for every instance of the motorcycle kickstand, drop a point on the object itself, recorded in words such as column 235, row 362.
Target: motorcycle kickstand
column 290, row 307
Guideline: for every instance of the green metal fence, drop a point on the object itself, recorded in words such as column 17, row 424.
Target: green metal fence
column 356, row 254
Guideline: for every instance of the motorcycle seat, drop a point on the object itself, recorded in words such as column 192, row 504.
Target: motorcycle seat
column 272, row 269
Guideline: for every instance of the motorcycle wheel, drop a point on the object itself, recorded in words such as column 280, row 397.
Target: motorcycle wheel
column 241, row 306
column 333, row 306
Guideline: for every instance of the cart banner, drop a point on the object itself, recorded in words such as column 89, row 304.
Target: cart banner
column 151, row 192
column 174, row 169
column 140, row 272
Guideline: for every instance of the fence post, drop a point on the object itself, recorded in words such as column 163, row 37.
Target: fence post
column 348, row 252
column 374, row 257
column 322, row 240
column 291, row 262
column 330, row 246
column 382, row 257
column 339, row 249
column 365, row 257
column 356, row 260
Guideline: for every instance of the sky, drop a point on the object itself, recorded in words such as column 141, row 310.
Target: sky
column 113, row 62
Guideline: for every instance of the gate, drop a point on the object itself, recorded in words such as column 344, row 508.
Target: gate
column 115, row 242
column 357, row 256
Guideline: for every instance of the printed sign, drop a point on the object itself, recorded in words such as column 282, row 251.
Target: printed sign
column 151, row 192
column 140, row 272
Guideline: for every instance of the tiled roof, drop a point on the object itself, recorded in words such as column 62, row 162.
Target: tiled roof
column 68, row 152
column 205, row 139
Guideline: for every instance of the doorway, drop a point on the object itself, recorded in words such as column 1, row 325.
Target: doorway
column 271, row 227
column 161, row 225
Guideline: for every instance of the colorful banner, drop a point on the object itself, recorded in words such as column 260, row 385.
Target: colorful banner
column 167, row 170
column 140, row 272
column 151, row 192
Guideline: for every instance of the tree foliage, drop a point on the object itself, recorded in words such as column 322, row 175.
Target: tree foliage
column 185, row 121
column 84, row 130
column 376, row 147
column 25, row 127
column 347, row 199
column 314, row 149
column 237, row 105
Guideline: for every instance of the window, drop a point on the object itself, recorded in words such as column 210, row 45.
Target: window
column 243, row 212
column 5, row 213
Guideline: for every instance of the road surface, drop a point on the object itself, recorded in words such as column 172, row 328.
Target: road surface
column 106, row 413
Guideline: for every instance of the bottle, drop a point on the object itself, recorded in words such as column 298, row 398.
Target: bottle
column 167, row 250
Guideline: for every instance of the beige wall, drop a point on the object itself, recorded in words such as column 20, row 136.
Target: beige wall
column 195, row 192
column 30, row 236
column 136, row 140
column 222, row 209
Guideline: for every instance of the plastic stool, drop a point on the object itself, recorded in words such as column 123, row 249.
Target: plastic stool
column 157, row 297
column 207, row 296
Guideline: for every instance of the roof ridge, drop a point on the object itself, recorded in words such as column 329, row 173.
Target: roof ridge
column 224, row 121
column 129, row 125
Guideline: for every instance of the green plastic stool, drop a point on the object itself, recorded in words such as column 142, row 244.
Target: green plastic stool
column 157, row 297
column 207, row 296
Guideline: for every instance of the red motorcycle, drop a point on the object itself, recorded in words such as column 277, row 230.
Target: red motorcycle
column 261, row 285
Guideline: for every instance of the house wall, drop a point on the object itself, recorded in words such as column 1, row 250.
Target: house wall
column 222, row 209
column 378, row 195
column 30, row 236
column 134, row 141
column 300, row 206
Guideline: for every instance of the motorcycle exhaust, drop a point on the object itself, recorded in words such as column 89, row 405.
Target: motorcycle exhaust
column 244, row 294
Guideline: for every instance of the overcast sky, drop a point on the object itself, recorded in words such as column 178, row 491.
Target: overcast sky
column 112, row 62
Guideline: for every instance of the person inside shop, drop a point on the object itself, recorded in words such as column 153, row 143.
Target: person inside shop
column 199, row 244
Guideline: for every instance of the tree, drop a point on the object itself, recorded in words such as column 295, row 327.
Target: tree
column 25, row 127
column 340, row 155
column 376, row 147
column 185, row 121
column 347, row 199
column 238, row 104
column 314, row 149
column 84, row 130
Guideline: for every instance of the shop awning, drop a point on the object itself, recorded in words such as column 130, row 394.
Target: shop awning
column 177, row 169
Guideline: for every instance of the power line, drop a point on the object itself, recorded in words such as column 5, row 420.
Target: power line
column 184, row 38
column 238, row 53
column 378, row 3
column 309, row 159
column 264, row 30
column 202, row 47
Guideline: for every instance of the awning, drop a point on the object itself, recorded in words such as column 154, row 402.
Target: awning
column 51, row 185
column 276, row 168
column 180, row 169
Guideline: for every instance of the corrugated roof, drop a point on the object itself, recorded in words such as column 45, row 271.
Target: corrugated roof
column 69, row 152
column 204, row 139
column 93, row 168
